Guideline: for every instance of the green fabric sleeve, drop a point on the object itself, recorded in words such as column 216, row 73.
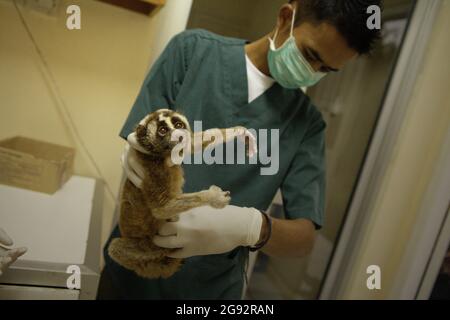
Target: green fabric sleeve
column 303, row 188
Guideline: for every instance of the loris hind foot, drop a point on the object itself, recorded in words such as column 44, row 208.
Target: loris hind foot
column 145, row 263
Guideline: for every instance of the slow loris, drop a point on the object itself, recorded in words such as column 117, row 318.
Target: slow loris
column 143, row 211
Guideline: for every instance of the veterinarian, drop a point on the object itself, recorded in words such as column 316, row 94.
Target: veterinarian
column 226, row 82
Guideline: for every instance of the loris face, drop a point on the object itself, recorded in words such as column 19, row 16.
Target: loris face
column 154, row 132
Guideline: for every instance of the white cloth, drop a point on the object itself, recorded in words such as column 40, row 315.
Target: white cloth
column 205, row 230
column 258, row 82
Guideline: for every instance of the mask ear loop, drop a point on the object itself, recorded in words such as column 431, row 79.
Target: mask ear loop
column 275, row 35
column 292, row 24
column 292, row 28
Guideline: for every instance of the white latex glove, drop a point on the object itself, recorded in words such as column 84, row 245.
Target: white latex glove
column 132, row 167
column 205, row 230
column 8, row 256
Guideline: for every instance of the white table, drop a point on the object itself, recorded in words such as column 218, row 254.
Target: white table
column 59, row 230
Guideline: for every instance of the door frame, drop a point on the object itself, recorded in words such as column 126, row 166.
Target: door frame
column 432, row 271
column 381, row 149
column 430, row 239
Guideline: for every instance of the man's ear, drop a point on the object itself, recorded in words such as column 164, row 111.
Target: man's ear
column 285, row 16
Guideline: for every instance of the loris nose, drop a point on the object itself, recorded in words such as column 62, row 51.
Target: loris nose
column 178, row 138
column 174, row 142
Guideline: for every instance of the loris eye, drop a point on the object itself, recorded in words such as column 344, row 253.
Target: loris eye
column 162, row 131
column 179, row 125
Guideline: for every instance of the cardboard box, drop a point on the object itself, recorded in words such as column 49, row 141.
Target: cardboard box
column 35, row 165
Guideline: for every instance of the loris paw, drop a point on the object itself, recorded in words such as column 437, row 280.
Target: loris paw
column 249, row 140
column 218, row 198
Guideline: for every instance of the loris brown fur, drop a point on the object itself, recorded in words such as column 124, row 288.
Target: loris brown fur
column 143, row 211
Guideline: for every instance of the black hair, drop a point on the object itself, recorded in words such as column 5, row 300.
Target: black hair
column 348, row 16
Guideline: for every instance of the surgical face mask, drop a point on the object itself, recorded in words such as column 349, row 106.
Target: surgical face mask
column 288, row 66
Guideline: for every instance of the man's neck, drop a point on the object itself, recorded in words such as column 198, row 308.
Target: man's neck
column 257, row 53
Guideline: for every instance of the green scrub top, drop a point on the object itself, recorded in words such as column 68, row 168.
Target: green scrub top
column 204, row 76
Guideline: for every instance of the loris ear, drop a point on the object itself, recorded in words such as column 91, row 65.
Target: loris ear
column 141, row 131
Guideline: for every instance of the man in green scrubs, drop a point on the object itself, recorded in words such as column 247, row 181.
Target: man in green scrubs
column 206, row 77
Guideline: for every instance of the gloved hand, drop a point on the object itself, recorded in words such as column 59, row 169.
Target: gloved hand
column 132, row 167
column 205, row 230
column 8, row 256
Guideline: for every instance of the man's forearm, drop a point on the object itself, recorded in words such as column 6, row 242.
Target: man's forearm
column 290, row 238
